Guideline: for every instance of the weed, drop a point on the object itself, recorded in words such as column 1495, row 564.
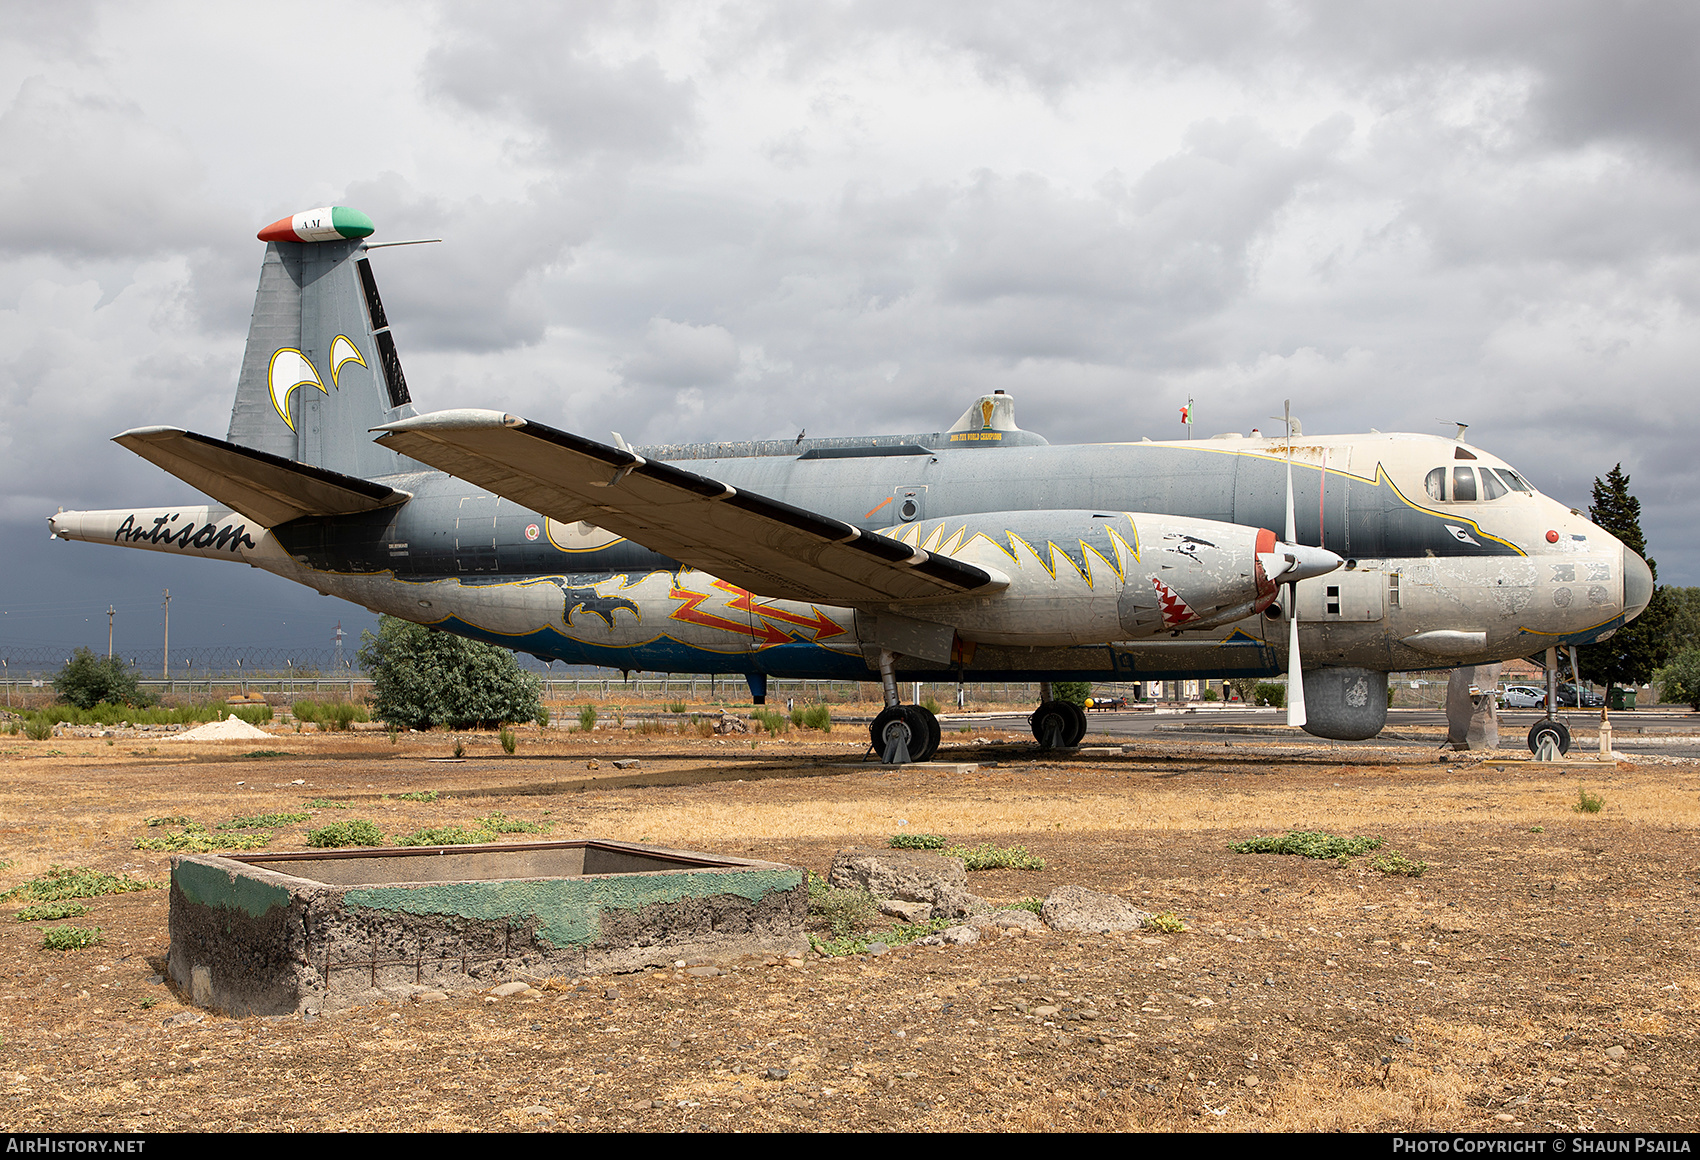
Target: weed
column 331, row 716
column 931, row 705
column 460, row 747
column 38, row 729
column 446, row 836
column 587, row 718
column 502, row 824
column 268, row 753
column 1394, row 862
column 60, row 883
column 842, row 910
column 354, row 832
column 1537, row 829
column 675, row 706
column 508, row 740
column 1168, row 922
column 173, row 820
column 650, row 728
column 148, row 1003
column 1036, row 905
column 263, row 821
column 423, row 795
column 813, row 717
column 916, row 842
column 1308, row 844
column 395, row 734
column 194, row 839
column 1588, row 803
column 327, row 804
column 543, row 716
column 51, row 911
column 898, row 935
column 69, row 938
column 774, row 722
column 986, row 856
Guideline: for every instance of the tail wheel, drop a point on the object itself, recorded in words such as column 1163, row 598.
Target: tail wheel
column 1558, row 730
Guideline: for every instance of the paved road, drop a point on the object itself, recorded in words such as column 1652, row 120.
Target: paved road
column 1666, row 733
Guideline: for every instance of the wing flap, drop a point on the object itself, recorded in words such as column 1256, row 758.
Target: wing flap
column 262, row 486
column 770, row 547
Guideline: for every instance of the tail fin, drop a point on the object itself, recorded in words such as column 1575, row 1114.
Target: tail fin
column 321, row 368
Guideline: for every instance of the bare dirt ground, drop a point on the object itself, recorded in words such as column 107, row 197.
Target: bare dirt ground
column 1539, row 975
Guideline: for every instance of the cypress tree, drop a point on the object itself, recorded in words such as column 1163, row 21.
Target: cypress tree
column 1642, row 645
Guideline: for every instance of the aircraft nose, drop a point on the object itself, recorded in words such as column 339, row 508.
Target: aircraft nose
column 1637, row 584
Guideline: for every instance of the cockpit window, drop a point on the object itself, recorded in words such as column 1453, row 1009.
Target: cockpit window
column 1436, row 483
column 1492, row 488
column 1512, row 480
column 1463, row 483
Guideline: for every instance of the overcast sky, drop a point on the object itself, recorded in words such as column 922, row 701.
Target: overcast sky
column 689, row 221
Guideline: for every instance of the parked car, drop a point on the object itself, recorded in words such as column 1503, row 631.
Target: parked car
column 1575, row 698
column 1522, row 697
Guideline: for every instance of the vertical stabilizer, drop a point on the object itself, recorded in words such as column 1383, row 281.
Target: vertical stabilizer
column 321, row 368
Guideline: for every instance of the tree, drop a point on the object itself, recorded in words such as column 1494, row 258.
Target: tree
column 1634, row 651
column 87, row 680
column 423, row 677
column 1074, row 692
column 1685, row 618
column 1680, row 680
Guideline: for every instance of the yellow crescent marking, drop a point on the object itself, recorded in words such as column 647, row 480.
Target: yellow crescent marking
column 289, row 369
column 343, row 350
column 1381, row 476
column 1108, row 563
column 1124, row 545
column 932, row 542
column 1047, row 565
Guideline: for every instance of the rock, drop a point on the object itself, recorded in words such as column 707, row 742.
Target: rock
column 1075, row 908
column 1018, row 919
column 775, row 1073
column 628, row 763
column 951, row 936
column 1616, row 1052
column 508, row 989
column 703, row 972
column 876, row 949
column 908, row 876
column 730, row 724
column 910, row 912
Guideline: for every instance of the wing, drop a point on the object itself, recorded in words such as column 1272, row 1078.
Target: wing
column 261, row 486
column 769, row 547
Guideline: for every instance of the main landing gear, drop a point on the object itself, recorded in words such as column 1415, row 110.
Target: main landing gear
column 902, row 733
column 1057, row 724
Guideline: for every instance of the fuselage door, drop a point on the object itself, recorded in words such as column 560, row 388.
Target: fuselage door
column 475, row 533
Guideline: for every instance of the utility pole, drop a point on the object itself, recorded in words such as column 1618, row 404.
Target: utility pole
column 165, row 665
column 110, row 613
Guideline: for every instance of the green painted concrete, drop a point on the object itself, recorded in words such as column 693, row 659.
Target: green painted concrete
column 211, row 886
column 569, row 910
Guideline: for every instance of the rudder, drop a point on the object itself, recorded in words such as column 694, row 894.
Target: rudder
column 321, row 368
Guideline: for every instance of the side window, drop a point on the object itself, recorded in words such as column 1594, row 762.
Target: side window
column 1491, row 487
column 1436, row 483
column 1463, row 483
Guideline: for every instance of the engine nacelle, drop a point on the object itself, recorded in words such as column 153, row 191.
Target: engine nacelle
column 1345, row 704
column 1083, row 577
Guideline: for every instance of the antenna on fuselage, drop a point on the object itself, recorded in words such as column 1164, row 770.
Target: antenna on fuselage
column 1462, row 427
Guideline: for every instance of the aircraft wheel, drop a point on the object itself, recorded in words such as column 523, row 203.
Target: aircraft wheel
column 1053, row 724
column 1077, row 724
column 927, row 730
column 1558, row 729
column 898, row 735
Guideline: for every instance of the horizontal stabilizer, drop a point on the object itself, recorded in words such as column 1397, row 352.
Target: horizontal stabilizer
column 771, row 548
column 261, row 486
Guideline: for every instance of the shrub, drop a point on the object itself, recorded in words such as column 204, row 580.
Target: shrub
column 817, row 717
column 542, row 717
column 509, row 741
column 446, row 836
column 87, row 680
column 587, row 718
column 1074, row 692
column 354, row 832
column 916, row 842
column 774, row 722
column 1679, row 681
column 1308, row 844
column 423, row 677
column 38, row 729
column 1588, row 803
column 675, row 706
column 1271, row 693
column 932, row 705
column 192, row 838
column 261, row 821
column 423, row 795
column 1168, row 922
column 331, row 716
